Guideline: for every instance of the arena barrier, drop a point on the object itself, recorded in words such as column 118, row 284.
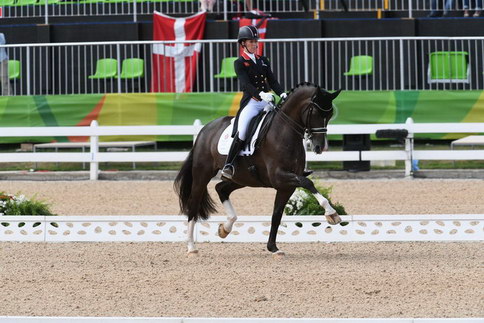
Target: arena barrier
column 360, row 228
column 94, row 157
column 24, row 319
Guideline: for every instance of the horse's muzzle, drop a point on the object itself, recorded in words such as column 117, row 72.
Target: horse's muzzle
column 318, row 149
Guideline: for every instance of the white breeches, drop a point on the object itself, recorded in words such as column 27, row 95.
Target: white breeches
column 249, row 112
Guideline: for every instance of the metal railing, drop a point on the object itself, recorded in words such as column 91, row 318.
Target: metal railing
column 391, row 5
column 403, row 63
column 60, row 8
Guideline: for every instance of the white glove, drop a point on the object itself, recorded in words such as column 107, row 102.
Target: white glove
column 283, row 95
column 268, row 108
column 265, row 96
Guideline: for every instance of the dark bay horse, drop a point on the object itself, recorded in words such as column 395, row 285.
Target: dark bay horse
column 279, row 162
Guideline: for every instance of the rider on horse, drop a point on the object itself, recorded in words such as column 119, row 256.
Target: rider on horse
column 256, row 79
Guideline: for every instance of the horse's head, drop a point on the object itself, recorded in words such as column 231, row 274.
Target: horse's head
column 307, row 110
column 316, row 117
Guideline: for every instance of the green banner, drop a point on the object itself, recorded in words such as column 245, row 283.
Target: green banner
column 353, row 107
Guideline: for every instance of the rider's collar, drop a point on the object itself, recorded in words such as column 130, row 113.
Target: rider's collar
column 246, row 56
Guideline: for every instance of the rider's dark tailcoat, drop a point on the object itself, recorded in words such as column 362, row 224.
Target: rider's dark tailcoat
column 254, row 78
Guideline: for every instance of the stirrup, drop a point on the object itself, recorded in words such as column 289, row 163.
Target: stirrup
column 228, row 171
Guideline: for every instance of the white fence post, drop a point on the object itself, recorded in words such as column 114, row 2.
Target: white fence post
column 409, row 147
column 402, row 70
column 94, row 169
column 306, row 61
column 118, row 58
column 197, row 124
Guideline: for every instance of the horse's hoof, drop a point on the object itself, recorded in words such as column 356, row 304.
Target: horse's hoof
column 333, row 218
column 192, row 253
column 222, row 233
column 278, row 254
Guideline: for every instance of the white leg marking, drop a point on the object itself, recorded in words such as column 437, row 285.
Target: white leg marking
column 231, row 215
column 325, row 204
column 190, row 240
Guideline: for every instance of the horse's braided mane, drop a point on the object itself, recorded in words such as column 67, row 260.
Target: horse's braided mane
column 302, row 84
column 294, row 88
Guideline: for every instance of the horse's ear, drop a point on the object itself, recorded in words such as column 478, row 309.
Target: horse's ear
column 335, row 94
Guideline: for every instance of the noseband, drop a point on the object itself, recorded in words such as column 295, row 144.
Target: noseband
column 301, row 130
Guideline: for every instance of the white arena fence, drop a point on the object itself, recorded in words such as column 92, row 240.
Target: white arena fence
column 360, row 228
column 40, row 319
column 94, row 156
column 399, row 63
column 59, row 8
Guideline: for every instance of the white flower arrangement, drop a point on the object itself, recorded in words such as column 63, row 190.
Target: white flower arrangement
column 11, row 204
column 7, row 199
column 303, row 202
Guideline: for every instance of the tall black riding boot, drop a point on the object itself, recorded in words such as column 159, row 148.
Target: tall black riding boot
column 229, row 170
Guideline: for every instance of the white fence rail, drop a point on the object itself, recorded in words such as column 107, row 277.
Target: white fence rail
column 398, row 63
column 94, row 157
column 371, row 228
column 59, row 8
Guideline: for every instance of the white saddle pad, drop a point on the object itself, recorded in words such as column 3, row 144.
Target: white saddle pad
column 225, row 140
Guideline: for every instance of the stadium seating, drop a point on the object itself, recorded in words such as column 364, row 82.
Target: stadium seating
column 448, row 67
column 13, row 69
column 25, row 2
column 227, row 68
column 105, row 68
column 132, row 68
column 42, row 2
column 360, row 66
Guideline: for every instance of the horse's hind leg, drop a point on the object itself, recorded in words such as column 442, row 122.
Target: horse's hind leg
column 224, row 189
column 199, row 200
column 190, row 240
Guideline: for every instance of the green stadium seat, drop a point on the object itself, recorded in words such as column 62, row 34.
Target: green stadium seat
column 132, row 68
column 4, row 3
column 26, row 2
column 124, row 1
column 171, row 0
column 105, row 68
column 447, row 67
column 13, row 69
column 227, row 69
column 90, row 1
column 42, row 2
column 360, row 66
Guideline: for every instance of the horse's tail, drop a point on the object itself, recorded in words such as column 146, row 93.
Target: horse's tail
column 183, row 187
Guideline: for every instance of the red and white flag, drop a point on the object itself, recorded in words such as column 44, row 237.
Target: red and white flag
column 175, row 65
column 261, row 25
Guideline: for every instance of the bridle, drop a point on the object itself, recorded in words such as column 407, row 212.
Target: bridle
column 304, row 129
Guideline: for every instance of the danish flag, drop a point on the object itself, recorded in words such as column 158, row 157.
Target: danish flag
column 174, row 67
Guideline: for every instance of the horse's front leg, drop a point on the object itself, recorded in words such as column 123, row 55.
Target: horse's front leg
column 280, row 202
column 287, row 178
column 329, row 212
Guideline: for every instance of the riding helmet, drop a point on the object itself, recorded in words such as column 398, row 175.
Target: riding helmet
column 247, row 32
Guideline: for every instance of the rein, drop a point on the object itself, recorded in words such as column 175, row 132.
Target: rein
column 301, row 130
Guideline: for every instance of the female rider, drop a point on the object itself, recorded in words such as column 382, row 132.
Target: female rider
column 256, row 79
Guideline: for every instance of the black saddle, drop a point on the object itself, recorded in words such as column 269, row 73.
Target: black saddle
column 254, row 123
